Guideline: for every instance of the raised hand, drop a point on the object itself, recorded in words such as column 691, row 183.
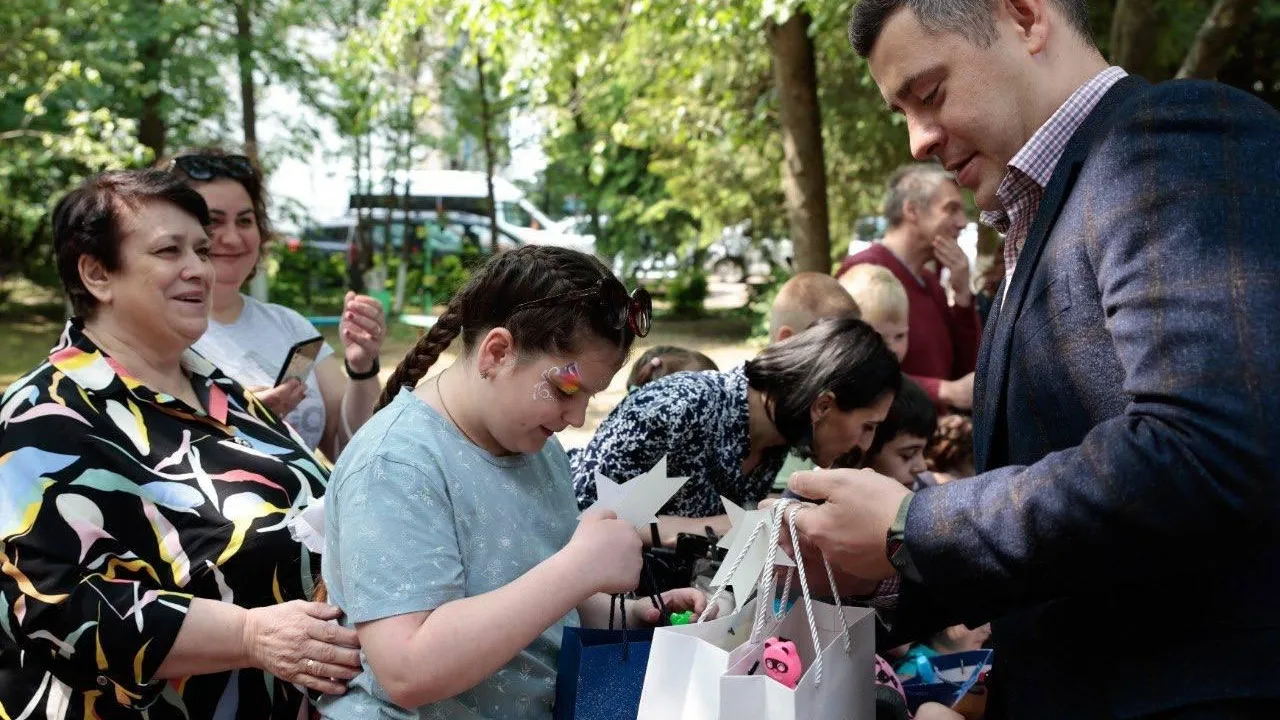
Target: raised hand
column 363, row 328
column 948, row 252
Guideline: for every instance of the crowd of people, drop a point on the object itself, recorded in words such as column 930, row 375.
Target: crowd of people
column 1047, row 465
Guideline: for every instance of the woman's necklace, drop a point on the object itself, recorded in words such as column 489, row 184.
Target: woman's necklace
column 445, row 407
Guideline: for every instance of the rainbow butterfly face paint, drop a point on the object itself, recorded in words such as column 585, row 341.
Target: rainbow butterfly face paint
column 567, row 379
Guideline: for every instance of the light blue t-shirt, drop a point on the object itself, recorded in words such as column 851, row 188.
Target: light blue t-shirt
column 417, row 516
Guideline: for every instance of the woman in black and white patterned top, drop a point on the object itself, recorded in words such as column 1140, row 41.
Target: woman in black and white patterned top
column 821, row 393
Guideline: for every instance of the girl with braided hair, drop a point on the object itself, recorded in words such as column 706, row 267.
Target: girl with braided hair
column 452, row 540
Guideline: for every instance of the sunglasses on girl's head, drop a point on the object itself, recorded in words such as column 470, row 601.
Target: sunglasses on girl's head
column 634, row 311
column 207, row 167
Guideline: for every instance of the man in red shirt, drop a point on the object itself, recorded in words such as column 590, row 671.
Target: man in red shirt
column 925, row 213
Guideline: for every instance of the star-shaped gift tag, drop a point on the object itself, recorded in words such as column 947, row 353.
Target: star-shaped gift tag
column 638, row 500
column 754, row 554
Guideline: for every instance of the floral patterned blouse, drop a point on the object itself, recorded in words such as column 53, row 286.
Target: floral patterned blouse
column 118, row 505
column 699, row 421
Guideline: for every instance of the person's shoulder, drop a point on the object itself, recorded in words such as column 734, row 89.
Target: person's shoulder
column 400, row 440
column 877, row 254
column 1192, row 107
column 685, row 390
column 1188, row 133
column 29, row 389
column 1183, row 92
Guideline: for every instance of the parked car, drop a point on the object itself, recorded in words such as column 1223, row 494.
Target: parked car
column 736, row 255
column 463, row 191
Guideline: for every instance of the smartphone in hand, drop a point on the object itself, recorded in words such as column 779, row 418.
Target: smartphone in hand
column 301, row 358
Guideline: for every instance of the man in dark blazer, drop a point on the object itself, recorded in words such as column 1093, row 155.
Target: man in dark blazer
column 1123, row 533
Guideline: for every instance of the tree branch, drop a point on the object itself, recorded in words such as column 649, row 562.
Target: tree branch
column 1215, row 38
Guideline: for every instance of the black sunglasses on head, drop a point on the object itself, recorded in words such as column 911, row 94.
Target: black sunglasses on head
column 634, row 311
column 207, row 167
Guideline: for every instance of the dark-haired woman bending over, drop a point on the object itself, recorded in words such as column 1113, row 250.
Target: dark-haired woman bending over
column 822, row 394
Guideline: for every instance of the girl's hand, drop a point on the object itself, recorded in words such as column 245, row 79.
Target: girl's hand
column 363, row 328
column 606, row 551
column 678, row 600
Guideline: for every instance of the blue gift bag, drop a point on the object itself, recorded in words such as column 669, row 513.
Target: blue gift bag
column 600, row 673
column 946, row 678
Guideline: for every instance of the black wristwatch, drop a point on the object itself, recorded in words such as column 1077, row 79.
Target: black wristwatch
column 896, row 544
column 372, row 371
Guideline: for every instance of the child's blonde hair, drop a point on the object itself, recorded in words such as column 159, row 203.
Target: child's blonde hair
column 878, row 293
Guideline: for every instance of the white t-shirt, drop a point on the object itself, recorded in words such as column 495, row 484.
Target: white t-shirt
column 252, row 350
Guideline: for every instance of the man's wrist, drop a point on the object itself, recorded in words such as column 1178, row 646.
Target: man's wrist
column 896, row 545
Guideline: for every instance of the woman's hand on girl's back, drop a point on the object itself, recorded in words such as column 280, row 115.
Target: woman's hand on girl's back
column 607, row 550
column 296, row 642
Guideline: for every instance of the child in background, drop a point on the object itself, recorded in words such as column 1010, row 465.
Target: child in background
column 662, row 360
column 800, row 302
column 950, row 455
column 805, row 299
column 899, row 448
column 883, row 302
column 452, row 537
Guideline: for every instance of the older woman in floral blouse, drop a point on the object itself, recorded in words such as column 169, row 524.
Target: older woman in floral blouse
column 147, row 568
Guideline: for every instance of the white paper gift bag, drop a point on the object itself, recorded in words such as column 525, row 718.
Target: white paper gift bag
column 682, row 679
column 700, row 671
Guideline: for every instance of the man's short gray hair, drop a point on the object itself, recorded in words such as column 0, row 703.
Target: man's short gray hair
column 973, row 20
column 916, row 183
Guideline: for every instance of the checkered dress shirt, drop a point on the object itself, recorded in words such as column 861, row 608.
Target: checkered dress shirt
column 1023, row 186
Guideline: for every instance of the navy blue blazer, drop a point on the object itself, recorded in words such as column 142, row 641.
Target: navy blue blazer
column 1124, row 531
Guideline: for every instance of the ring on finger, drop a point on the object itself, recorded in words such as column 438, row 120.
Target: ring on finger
column 309, row 664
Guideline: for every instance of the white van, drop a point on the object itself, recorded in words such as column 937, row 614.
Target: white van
column 465, row 191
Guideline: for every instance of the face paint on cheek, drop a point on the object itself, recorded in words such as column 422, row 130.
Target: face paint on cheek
column 567, row 379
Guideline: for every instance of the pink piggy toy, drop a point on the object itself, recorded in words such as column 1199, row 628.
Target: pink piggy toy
column 782, row 662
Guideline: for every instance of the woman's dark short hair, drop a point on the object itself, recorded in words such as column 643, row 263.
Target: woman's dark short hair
column 842, row 355
column 90, row 221
column 912, row 413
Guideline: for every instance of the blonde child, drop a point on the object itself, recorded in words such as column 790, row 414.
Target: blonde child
column 883, row 302
column 452, row 541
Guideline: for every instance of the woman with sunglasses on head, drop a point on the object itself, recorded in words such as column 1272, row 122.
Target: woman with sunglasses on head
column 250, row 340
column 821, row 393
column 452, row 540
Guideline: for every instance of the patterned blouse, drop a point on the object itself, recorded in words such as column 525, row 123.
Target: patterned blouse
column 699, row 421
column 118, row 505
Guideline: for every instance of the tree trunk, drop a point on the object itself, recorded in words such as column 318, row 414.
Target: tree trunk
column 1134, row 36
column 248, row 95
column 1213, row 43
column 486, row 131
column 389, row 203
column 355, row 278
column 804, row 179
column 151, row 124
column 410, row 133
column 584, row 136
